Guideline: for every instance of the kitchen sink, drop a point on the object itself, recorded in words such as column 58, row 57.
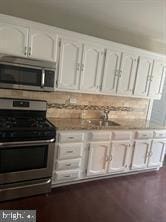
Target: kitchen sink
column 103, row 123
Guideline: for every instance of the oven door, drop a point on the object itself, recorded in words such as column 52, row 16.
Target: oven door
column 21, row 161
column 26, row 77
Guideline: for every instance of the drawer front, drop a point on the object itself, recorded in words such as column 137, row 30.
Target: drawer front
column 68, row 164
column 121, row 135
column 144, row 134
column 67, row 175
column 99, row 136
column 159, row 134
column 70, row 151
column 67, row 137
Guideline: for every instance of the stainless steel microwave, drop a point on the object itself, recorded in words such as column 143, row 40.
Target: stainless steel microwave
column 16, row 73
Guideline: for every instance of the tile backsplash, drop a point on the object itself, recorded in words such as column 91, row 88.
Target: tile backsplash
column 79, row 105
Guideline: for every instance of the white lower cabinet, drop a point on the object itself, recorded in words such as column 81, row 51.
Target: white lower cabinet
column 140, row 154
column 94, row 154
column 98, row 158
column 156, row 154
column 68, row 157
column 118, row 161
column 68, row 164
column 66, row 175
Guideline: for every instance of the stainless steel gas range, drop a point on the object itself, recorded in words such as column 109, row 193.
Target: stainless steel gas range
column 27, row 141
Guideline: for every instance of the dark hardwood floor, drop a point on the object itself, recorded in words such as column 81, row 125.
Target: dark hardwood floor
column 136, row 198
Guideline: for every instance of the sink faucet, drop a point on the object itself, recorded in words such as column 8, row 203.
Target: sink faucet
column 105, row 116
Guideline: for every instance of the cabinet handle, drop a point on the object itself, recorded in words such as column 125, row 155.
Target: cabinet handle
column 120, row 72
column 77, row 66
column 69, row 164
column 150, row 154
column 107, row 159
column 71, row 137
column 146, row 144
column 29, row 53
column 117, row 72
column 151, row 78
column 82, row 67
column 25, row 52
column 110, row 158
column 70, row 151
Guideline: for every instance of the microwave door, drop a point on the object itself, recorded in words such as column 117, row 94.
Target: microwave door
column 31, row 77
column 26, row 77
column 9, row 76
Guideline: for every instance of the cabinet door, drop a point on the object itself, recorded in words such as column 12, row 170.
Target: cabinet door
column 98, row 158
column 91, row 67
column 140, row 154
column 127, row 74
column 156, row 153
column 157, row 79
column 118, row 157
column 111, row 71
column 43, row 45
column 158, row 111
column 69, row 64
column 143, row 76
column 13, row 40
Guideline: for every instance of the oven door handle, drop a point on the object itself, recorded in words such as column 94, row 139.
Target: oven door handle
column 36, row 142
column 28, row 185
column 43, row 78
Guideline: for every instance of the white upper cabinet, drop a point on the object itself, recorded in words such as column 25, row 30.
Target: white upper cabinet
column 118, row 157
column 143, row 76
column 111, row 71
column 156, row 154
column 91, row 67
column 42, row 45
column 157, row 79
column 98, row 158
column 85, row 64
column 13, row 40
column 127, row 74
column 69, row 64
column 140, row 155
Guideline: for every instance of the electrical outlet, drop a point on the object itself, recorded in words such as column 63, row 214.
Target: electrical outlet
column 72, row 100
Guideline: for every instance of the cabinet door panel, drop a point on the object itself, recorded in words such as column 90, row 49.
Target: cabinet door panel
column 43, row 45
column 118, row 156
column 111, row 71
column 97, row 163
column 69, row 64
column 92, row 65
column 156, row 153
column 127, row 74
column 140, row 154
column 13, row 39
column 157, row 79
column 143, row 76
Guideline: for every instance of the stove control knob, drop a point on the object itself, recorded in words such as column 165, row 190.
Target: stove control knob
column 12, row 134
column 36, row 133
column 2, row 135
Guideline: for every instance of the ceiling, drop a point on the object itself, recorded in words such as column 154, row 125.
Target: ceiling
column 140, row 17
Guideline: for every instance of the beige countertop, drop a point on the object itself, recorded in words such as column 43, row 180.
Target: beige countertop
column 82, row 124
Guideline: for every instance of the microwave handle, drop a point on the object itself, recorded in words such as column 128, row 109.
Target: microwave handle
column 43, row 78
